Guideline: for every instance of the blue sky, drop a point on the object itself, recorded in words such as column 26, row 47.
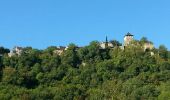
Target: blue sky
column 42, row 23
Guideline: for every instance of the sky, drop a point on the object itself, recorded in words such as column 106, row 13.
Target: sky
column 43, row 23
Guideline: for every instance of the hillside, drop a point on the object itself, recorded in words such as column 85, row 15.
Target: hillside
column 86, row 73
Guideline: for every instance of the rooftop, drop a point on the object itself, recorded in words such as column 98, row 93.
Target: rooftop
column 129, row 34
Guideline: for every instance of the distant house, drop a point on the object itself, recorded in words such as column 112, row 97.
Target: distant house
column 59, row 50
column 15, row 51
column 148, row 46
column 106, row 44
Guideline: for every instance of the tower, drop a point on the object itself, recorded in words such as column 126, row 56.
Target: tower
column 128, row 38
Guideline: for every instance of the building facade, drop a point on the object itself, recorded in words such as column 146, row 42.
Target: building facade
column 128, row 38
column 106, row 44
column 15, row 51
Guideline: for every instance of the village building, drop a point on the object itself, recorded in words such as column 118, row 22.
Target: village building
column 148, row 46
column 106, row 44
column 59, row 50
column 15, row 51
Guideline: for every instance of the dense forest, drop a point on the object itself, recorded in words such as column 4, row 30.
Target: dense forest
column 86, row 73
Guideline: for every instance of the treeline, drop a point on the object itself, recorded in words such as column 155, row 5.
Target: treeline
column 88, row 73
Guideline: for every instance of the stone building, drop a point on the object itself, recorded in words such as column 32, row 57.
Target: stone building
column 148, row 46
column 128, row 38
column 106, row 44
column 59, row 50
column 16, row 51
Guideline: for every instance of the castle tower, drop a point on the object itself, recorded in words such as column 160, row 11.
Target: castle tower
column 128, row 38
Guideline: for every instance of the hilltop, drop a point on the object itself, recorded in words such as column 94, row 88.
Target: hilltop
column 133, row 70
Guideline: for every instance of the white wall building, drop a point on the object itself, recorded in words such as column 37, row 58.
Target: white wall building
column 127, row 39
column 15, row 51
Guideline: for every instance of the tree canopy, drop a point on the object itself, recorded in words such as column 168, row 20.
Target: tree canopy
column 88, row 73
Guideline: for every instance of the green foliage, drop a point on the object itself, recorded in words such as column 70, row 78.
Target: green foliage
column 4, row 50
column 168, row 54
column 115, row 43
column 163, row 52
column 91, row 53
column 86, row 73
column 165, row 91
column 70, row 56
column 143, row 40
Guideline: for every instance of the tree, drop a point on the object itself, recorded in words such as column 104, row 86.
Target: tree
column 115, row 43
column 163, row 52
column 50, row 49
column 144, row 40
column 4, row 50
column 165, row 91
column 70, row 56
column 9, row 75
column 91, row 53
